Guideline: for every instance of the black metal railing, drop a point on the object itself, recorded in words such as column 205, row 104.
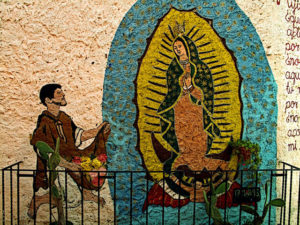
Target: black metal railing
column 283, row 183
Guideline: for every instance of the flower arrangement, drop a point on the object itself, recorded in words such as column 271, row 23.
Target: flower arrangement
column 248, row 157
column 93, row 163
column 247, row 152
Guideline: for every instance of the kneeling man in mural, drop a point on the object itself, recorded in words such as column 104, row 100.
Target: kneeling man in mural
column 53, row 124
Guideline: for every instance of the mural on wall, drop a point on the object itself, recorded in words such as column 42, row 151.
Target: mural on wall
column 56, row 130
column 184, row 78
column 189, row 107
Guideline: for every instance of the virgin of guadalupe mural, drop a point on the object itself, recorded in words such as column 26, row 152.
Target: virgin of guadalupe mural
column 184, row 113
column 189, row 108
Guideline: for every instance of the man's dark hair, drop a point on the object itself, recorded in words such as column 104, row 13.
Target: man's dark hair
column 47, row 91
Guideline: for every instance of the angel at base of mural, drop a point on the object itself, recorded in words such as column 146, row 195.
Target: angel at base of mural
column 186, row 115
column 55, row 124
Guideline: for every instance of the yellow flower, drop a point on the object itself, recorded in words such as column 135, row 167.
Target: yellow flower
column 86, row 166
column 96, row 163
column 85, row 159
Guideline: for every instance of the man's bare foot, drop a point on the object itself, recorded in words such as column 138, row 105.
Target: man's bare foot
column 36, row 202
column 31, row 212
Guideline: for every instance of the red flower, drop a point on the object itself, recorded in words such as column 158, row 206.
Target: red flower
column 76, row 159
column 102, row 157
column 245, row 153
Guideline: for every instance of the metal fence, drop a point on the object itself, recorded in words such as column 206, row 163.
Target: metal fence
column 284, row 184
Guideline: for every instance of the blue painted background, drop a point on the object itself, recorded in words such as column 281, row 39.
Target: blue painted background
column 258, row 94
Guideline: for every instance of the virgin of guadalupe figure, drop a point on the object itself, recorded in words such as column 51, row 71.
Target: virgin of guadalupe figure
column 186, row 121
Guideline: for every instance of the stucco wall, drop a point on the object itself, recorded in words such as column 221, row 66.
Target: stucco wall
column 68, row 42
column 42, row 42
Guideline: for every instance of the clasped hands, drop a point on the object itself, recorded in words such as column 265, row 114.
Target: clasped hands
column 186, row 83
column 186, row 80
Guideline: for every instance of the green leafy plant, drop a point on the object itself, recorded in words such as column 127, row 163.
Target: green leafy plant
column 258, row 220
column 210, row 205
column 53, row 159
column 248, row 155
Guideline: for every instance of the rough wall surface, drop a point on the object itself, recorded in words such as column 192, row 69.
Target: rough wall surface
column 42, row 42
column 142, row 52
column 68, row 42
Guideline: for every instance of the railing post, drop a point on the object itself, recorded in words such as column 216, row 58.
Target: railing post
column 66, row 194
column 131, row 198
column 3, row 198
column 290, row 203
column 11, row 198
column 271, row 187
column 256, row 181
column 226, row 177
column 98, row 192
column 147, row 199
column 82, row 189
column 115, row 199
column 240, row 213
column 34, row 212
column 298, row 199
column 179, row 205
column 50, row 197
column 285, row 198
column 194, row 208
column 18, row 193
column 163, row 199
column 282, row 211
